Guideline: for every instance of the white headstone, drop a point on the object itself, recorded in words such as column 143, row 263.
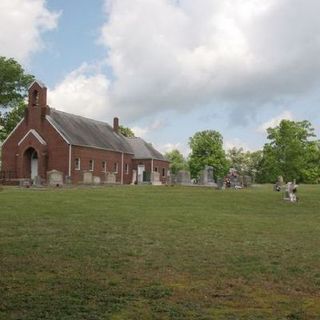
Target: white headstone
column 110, row 178
column 155, row 179
column 55, row 178
column 96, row 180
column 87, row 177
column 290, row 193
column 134, row 177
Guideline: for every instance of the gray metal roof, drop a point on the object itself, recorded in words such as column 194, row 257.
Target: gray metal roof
column 144, row 150
column 82, row 131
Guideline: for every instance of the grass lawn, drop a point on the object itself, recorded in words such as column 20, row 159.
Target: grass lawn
column 159, row 253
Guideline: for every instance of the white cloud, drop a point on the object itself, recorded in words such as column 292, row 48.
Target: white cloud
column 286, row 115
column 180, row 55
column 167, row 147
column 139, row 132
column 21, row 23
column 143, row 131
column 83, row 92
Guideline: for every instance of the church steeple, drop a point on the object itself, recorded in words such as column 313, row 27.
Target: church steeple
column 37, row 103
column 37, row 94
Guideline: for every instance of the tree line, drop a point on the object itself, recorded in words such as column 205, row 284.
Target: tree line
column 292, row 150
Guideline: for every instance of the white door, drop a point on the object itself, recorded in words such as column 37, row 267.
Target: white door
column 34, row 165
column 140, row 172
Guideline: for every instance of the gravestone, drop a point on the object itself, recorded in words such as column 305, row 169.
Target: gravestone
column 68, row 180
column 96, row 180
column 287, row 192
column 87, row 177
column 183, row 177
column 235, row 181
column 290, row 192
column 277, row 186
column 280, row 180
column 37, row 181
column 134, row 177
column 247, row 181
column 206, row 177
column 155, row 179
column 110, row 178
column 172, row 178
column 221, row 185
column 55, row 178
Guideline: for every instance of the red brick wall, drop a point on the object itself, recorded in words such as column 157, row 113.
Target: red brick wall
column 86, row 154
column 156, row 164
column 161, row 165
column 54, row 155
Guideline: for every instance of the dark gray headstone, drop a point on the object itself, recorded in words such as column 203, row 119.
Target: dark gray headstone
column 206, row 177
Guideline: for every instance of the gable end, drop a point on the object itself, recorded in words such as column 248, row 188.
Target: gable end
column 36, row 135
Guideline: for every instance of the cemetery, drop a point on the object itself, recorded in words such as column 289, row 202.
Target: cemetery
column 202, row 203
column 209, row 243
column 129, row 252
column 97, row 224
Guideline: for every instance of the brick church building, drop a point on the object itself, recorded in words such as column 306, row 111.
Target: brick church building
column 47, row 139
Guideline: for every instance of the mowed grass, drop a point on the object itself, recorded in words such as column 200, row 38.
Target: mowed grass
column 159, row 253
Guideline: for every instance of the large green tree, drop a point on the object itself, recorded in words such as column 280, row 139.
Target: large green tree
column 254, row 164
column 239, row 159
column 292, row 153
column 177, row 161
column 14, row 84
column 245, row 162
column 207, row 149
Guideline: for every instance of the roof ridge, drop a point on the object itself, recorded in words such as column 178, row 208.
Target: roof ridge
column 144, row 150
column 86, row 118
column 84, row 131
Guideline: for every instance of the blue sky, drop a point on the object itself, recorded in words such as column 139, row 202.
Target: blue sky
column 72, row 42
column 168, row 68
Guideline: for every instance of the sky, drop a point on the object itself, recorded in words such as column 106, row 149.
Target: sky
column 170, row 68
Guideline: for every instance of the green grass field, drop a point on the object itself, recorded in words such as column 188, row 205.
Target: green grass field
column 159, row 253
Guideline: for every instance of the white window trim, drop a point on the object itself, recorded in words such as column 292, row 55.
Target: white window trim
column 104, row 166
column 117, row 167
column 126, row 168
column 79, row 166
column 91, row 169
